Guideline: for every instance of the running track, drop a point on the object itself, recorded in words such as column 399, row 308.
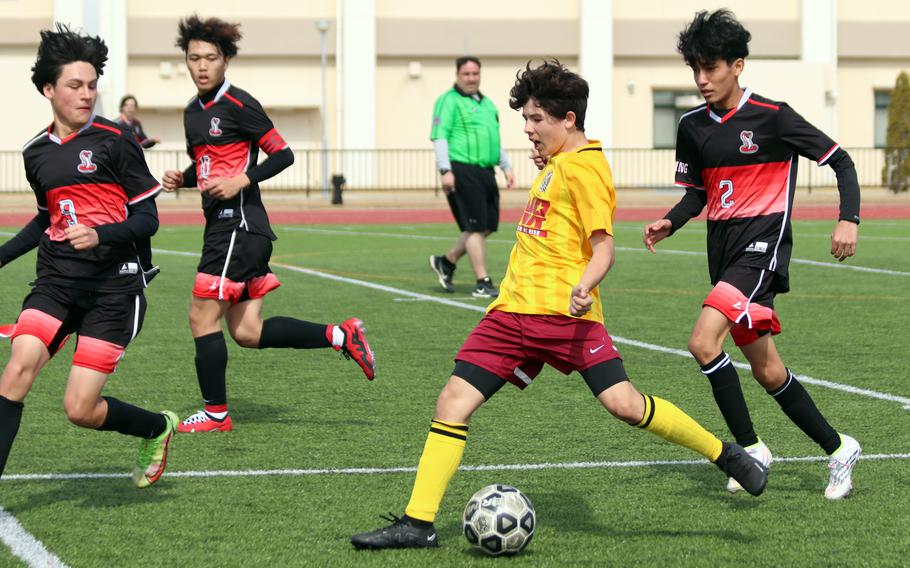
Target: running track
column 377, row 216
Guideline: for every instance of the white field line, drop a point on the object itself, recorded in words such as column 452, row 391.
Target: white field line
column 391, row 470
column 616, row 339
column 624, row 249
column 24, row 545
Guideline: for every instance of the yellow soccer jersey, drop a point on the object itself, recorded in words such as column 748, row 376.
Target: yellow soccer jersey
column 572, row 197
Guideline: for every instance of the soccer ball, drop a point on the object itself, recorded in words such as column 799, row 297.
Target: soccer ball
column 499, row 520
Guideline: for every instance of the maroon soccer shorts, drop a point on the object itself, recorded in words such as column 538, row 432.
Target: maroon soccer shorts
column 515, row 347
column 745, row 295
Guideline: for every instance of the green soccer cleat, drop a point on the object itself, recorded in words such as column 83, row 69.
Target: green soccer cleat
column 153, row 453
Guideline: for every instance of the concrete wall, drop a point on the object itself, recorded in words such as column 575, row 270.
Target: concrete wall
column 416, row 42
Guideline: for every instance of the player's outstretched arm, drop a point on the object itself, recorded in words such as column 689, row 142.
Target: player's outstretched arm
column 691, row 205
column 843, row 240
column 656, row 232
column 26, row 239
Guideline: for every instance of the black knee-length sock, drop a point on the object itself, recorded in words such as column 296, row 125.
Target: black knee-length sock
column 211, row 365
column 796, row 403
column 131, row 420
column 284, row 332
column 728, row 394
column 10, row 417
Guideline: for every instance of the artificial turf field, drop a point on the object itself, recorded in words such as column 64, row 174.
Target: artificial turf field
column 317, row 451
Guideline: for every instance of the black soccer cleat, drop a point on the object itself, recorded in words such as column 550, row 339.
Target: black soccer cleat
column 400, row 534
column 441, row 266
column 736, row 462
column 485, row 289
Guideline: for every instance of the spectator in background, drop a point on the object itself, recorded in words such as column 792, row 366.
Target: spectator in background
column 128, row 108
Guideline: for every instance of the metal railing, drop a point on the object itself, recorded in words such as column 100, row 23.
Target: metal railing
column 415, row 169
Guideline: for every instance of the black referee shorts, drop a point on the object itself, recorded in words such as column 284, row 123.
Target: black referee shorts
column 475, row 201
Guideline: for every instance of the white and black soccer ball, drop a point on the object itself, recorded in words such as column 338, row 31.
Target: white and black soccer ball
column 499, row 519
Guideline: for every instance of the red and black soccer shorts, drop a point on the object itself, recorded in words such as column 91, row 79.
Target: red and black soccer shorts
column 514, row 348
column 745, row 295
column 475, row 201
column 104, row 323
column 235, row 267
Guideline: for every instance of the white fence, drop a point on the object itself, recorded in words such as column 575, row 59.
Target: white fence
column 416, row 169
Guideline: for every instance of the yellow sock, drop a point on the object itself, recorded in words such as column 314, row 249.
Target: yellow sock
column 666, row 420
column 441, row 456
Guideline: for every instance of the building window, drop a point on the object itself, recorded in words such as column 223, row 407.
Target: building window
column 669, row 106
column 882, row 100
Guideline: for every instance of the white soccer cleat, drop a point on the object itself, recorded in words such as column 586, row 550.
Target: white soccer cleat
column 760, row 452
column 840, row 480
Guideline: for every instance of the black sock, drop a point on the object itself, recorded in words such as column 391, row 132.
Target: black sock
column 486, row 279
column 211, row 364
column 131, row 420
column 800, row 408
column 728, row 394
column 10, row 417
column 448, row 263
column 289, row 332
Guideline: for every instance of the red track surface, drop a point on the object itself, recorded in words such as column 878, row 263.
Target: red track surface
column 376, row 216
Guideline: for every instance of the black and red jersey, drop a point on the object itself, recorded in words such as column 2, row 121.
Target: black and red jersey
column 92, row 177
column 745, row 163
column 224, row 133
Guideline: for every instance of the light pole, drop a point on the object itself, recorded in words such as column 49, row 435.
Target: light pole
column 323, row 26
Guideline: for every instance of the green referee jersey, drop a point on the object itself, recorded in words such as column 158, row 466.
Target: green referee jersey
column 471, row 127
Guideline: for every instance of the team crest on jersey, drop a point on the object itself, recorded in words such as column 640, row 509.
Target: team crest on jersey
column 748, row 147
column 214, row 130
column 86, row 165
column 546, row 182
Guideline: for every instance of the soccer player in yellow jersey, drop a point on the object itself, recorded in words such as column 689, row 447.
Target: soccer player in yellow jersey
column 549, row 311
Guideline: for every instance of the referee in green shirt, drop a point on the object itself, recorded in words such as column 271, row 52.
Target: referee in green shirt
column 465, row 137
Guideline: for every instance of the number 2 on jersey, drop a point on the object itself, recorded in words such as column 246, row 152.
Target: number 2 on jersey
column 68, row 210
column 726, row 198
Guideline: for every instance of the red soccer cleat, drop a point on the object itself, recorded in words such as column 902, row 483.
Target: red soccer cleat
column 202, row 422
column 356, row 347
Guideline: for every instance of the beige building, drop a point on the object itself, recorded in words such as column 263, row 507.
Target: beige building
column 387, row 61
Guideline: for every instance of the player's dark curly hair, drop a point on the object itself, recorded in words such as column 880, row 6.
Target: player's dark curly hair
column 712, row 36
column 556, row 89
column 64, row 46
column 212, row 30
